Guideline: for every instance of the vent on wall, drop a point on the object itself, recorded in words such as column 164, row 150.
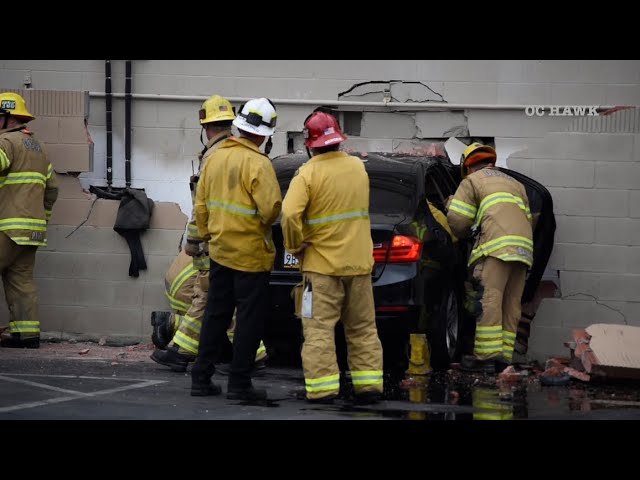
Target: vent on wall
column 352, row 123
column 295, row 142
column 621, row 121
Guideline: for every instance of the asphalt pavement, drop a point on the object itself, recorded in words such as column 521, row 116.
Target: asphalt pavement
column 92, row 382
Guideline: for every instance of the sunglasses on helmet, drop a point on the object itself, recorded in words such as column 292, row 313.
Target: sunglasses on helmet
column 255, row 119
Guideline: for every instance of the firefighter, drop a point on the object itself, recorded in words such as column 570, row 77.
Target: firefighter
column 187, row 281
column 437, row 270
column 325, row 223
column 187, row 308
column 493, row 207
column 238, row 198
column 28, row 190
column 179, row 281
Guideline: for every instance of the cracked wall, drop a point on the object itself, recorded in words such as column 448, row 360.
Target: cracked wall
column 591, row 167
column 84, row 288
column 165, row 138
column 595, row 182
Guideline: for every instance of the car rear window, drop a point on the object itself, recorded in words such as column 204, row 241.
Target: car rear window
column 390, row 195
column 386, row 195
column 392, row 186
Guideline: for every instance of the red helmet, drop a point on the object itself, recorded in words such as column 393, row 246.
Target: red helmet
column 321, row 130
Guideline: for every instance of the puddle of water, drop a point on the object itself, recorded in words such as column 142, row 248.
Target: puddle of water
column 494, row 400
column 457, row 395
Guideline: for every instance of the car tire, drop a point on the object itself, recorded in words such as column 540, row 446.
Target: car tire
column 284, row 351
column 444, row 333
column 395, row 350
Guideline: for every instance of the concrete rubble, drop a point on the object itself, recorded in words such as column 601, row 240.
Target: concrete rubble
column 608, row 351
column 599, row 352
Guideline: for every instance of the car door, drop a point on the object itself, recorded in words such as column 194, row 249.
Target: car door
column 544, row 227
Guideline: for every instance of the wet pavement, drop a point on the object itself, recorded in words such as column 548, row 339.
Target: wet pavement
column 87, row 381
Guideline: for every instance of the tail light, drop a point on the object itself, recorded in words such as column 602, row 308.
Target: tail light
column 393, row 308
column 380, row 252
column 401, row 249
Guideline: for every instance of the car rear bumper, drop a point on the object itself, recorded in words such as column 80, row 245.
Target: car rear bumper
column 397, row 295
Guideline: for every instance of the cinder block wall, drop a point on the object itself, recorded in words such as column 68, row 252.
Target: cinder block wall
column 85, row 291
column 166, row 133
column 595, row 181
column 592, row 172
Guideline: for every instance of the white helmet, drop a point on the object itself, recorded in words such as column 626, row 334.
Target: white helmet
column 257, row 116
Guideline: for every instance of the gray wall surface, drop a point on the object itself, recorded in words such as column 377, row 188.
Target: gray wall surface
column 591, row 166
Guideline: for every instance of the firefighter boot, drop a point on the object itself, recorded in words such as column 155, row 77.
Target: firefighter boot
column 177, row 362
column 202, row 386
column 470, row 363
column 501, row 364
column 367, row 398
column 161, row 335
column 15, row 341
column 328, row 400
column 248, row 393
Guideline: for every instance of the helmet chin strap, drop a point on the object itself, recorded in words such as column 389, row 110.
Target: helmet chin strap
column 268, row 146
column 204, row 145
column 201, row 140
column 308, row 151
column 5, row 114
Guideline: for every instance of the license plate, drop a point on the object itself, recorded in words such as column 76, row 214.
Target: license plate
column 289, row 261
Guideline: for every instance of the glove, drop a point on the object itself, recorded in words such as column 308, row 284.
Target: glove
column 192, row 249
column 205, row 248
column 300, row 254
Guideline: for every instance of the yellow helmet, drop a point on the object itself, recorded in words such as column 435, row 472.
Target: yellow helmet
column 216, row 109
column 474, row 153
column 15, row 105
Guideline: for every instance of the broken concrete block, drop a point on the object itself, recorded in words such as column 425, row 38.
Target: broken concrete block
column 577, row 374
column 69, row 187
column 509, row 375
column 609, row 350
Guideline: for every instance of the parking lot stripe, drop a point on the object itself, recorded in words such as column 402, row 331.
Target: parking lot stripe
column 148, row 383
column 84, row 377
column 22, row 406
column 42, row 385
column 75, row 395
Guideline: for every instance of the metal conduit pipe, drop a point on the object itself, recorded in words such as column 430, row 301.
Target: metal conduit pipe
column 108, row 96
column 338, row 103
column 127, row 125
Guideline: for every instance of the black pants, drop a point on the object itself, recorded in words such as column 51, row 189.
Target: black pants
column 230, row 289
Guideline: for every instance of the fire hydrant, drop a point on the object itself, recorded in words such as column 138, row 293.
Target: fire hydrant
column 420, row 358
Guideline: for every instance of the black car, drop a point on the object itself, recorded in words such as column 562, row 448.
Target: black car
column 411, row 295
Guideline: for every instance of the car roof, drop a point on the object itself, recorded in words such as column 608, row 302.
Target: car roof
column 378, row 162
